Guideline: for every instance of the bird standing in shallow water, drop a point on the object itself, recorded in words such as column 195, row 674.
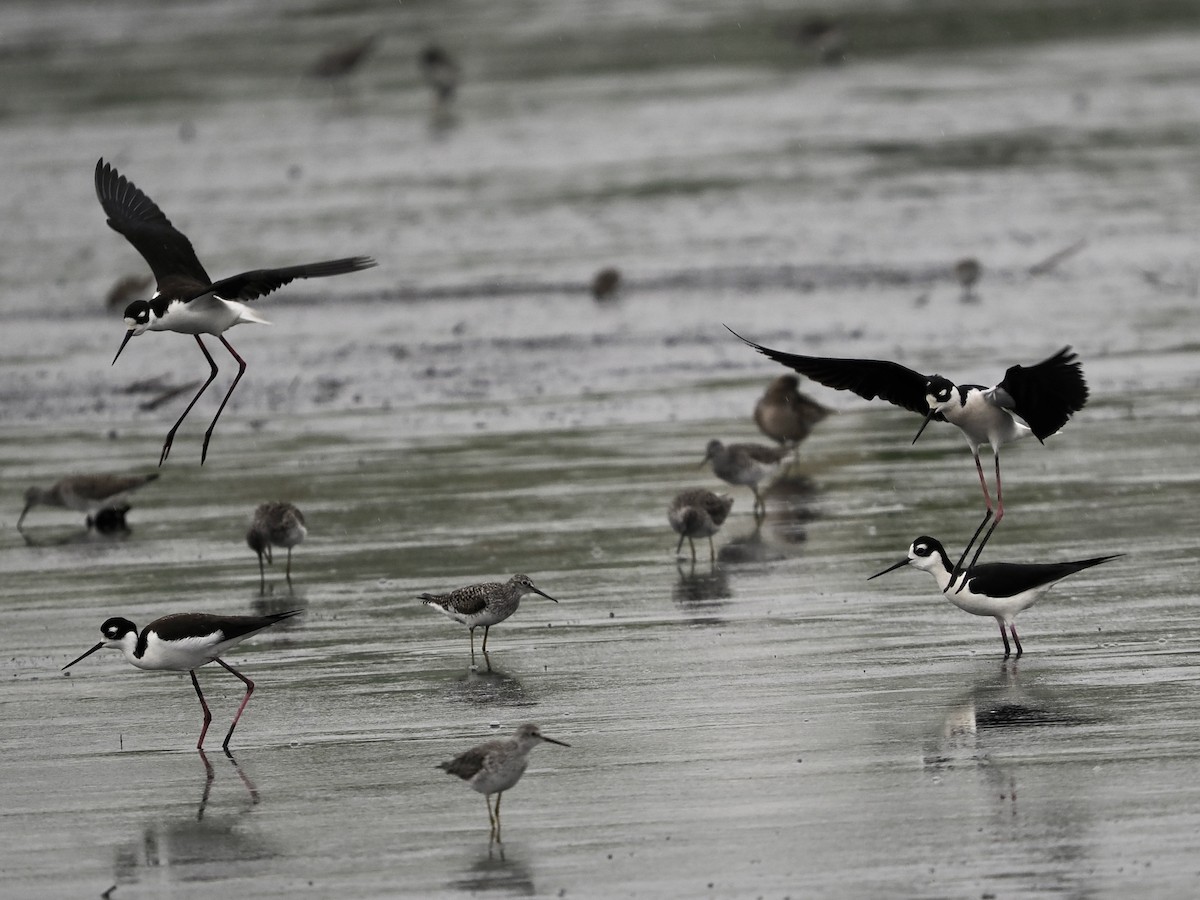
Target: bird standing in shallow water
column 85, row 493
column 745, row 464
column 698, row 513
column 184, row 642
column 785, row 415
column 1000, row 590
column 1044, row 395
column 279, row 525
column 186, row 300
column 483, row 604
column 496, row 766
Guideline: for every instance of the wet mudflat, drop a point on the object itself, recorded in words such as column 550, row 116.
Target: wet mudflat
column 771, row 725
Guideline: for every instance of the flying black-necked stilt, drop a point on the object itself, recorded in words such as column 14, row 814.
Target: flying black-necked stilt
column 186, row 300
column 88, row 494
column 184, row 642
column 698, row 513
column 785, row 415
column 494, row 767
column 1044, row 395
column 1000, row 590
column 483, row 604
column 745, row 464
column 275, row 524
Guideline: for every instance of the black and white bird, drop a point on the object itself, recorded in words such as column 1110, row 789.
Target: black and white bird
column 184, row 642
column 1000, row 590
column 186, row 300
column 1044, row 395
column 495, row 766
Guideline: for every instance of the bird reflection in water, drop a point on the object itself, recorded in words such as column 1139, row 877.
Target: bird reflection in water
column 200, row 848
column 488, row 686
column 701, row 591
column 496, row 872
column 793, row 506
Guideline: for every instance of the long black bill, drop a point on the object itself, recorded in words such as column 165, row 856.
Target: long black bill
column 928, row 418
column 553, row 741
column 128, row 335
column 544, row 594
column 99, row 646
column 902, row 563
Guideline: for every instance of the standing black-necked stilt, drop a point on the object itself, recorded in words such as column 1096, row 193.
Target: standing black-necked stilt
column 184, row 642
column 483, row 604
column 186, row 300
column 89, row 494
column 275, row 524
column 1000, row 590
column 698, row 513
column 745, row 464
column 494, row 767
column 1044, row 395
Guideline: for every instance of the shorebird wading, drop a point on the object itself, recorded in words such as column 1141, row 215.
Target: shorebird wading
column 494, row 767
column 1044, row 395
column 745, row 464
column 184, row 642
column 186, row 300
column 1000, row 590
column 483, row 604
column 698, row 513
column 275, row 525
column 88, row 494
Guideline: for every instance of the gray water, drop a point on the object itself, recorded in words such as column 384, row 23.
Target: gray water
column 771, row 725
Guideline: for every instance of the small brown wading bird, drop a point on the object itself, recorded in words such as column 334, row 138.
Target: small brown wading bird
column 698, row 513
column 606, row 283
column 745, row 464
column 125, row 290
column 483, row 604
column 968, row 271
column 88, row 494
column 275, row 525
column 440, row 72
column 187, row 301
column 785, row 415
column 183, row 643
column 496, row 766
column 342, row 61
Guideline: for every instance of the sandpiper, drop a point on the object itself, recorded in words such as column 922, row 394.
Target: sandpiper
column 1045, row 395
column 698, row 513
column 184, row 642
column 187, row 301
column 440, row 72
column 275, row 524
column 483, row 604
column 494, row 767
column 85, row 493
column 1000, row 590
column 745, row 464
column 785, row 415
column 967, row 272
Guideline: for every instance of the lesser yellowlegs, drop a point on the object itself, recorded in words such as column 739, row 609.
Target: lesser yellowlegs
column 494, row 767
column 1000, row 590
column 184, row 642
column 275, row 524
column 85, row 493
column 785, row 415
column 745, row 464
column 698, row 513
column 483, row 604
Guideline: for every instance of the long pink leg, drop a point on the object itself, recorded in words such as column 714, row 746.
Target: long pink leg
column 1004, row 637
column 246, row 699
column 207, row 714
column 1016, row 640
column 211, row 375
column 999, row 513
column 241, row 371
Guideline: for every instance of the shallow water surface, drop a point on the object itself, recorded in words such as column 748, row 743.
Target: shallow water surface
column 770, row 724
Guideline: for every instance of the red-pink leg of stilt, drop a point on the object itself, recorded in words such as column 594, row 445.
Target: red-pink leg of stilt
column 1004, row 637
column 246, row 699
column 174, row 428
column 1016, row 640
column 207, row 714
column 220, row 409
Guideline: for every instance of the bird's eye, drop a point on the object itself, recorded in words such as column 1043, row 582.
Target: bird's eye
column 921, row 549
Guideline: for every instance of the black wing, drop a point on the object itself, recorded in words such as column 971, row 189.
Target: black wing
column 869, row 378
column 1045, row 395
column 134, row 215
column 251, row 285
column 1010, row 579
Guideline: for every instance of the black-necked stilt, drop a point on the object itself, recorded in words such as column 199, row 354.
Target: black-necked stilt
column 184, row 642
column 85, row 493
column 440, row 72
column 785, row 415
column 745, row 464
column 494, row 767
column 483, row 604
column 187, row 301
column 275, row 524
column 1000, row 590
column 698, row 513
column 1044, row 395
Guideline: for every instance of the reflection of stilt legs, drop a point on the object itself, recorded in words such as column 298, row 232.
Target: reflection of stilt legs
column 210, row 776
